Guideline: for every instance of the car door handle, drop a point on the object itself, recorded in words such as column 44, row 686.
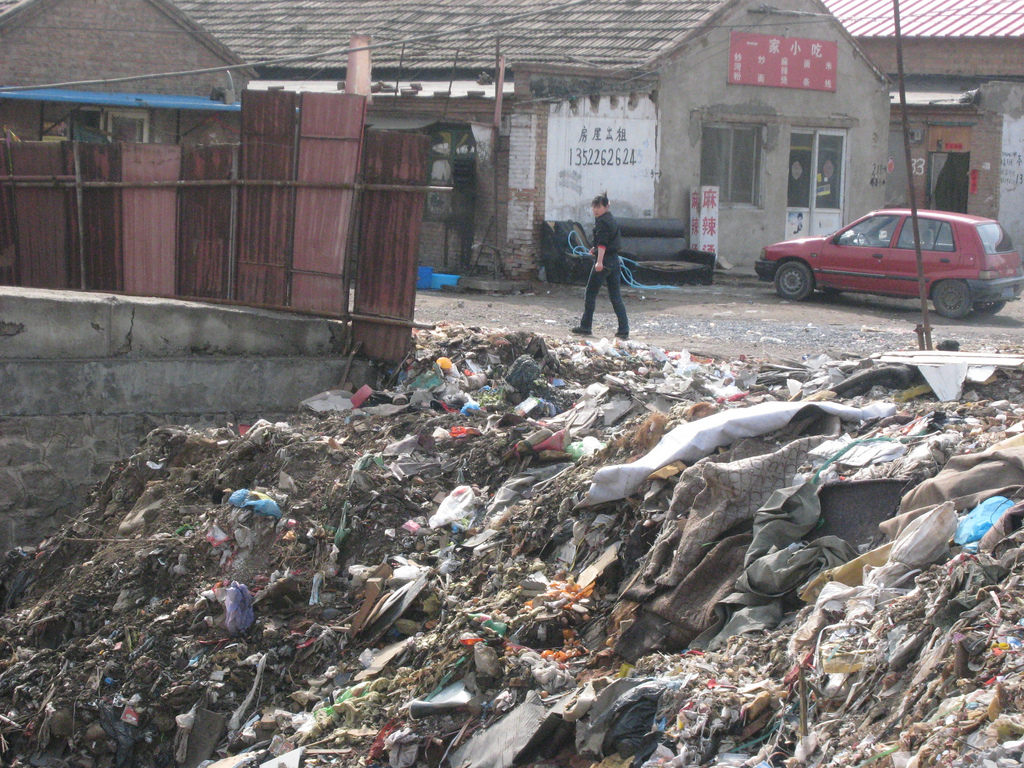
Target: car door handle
column 944, row 261
column 877, row 256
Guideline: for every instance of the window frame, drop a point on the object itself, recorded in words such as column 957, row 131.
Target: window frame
column 142, row 115
column 729, row 164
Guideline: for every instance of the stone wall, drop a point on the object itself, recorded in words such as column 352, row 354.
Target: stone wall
column 84, row 377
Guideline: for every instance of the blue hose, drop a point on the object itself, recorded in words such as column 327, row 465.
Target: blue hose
column 581, row 250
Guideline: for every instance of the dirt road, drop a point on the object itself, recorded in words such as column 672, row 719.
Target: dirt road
column 738, row 315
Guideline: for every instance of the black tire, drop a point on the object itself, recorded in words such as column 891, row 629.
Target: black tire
column 794, row 281
column 952, row 298
column 988, row 307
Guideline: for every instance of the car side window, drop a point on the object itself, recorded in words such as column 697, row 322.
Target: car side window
column 873, row 232
column 935, row 235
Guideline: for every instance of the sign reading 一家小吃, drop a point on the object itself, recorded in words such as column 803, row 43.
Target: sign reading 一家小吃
column 782, row 62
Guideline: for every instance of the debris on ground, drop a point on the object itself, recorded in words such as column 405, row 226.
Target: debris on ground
column 519, row 550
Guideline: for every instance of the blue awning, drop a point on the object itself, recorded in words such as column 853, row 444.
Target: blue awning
column 130, row 100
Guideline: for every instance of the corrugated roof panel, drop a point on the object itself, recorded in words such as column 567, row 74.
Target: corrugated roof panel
column 931, row 18
column 136, row 100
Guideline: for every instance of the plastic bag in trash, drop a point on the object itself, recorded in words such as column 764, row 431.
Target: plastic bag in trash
column 237, row 602
column 975, row 524
column 458, row 506
column 258, row 502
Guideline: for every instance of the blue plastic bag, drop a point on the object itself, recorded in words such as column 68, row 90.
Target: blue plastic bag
column 975, row 524
column 258, row 502
column 238, row 498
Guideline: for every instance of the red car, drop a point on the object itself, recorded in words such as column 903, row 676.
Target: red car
column 969, row 262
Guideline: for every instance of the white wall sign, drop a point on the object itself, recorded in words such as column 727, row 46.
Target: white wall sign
column 611, row 147
column 707, row 238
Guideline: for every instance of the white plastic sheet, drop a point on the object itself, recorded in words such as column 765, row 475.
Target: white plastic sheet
column 694, row 440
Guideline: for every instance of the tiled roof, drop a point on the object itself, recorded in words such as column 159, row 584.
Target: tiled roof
column 931, row 18
column 608, row 33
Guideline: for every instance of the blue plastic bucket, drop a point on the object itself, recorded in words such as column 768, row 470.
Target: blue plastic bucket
column 423, row 278
column 439, row 279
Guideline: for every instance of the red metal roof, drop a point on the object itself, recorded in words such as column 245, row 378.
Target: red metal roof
column 931, row 18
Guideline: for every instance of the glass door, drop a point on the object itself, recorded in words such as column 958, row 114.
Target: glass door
column 814, row 203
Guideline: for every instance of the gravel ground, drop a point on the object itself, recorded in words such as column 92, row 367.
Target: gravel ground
column 738, row 315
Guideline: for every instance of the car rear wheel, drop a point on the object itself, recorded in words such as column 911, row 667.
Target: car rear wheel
column 794, row 281
column 952, row 298
column 988, row 307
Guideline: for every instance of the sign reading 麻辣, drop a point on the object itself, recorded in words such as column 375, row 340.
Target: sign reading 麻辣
column 782, row 62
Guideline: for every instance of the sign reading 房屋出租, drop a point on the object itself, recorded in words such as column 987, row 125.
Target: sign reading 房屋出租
column 782, row 62
column 606, row 145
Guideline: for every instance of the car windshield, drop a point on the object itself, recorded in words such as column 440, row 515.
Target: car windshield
column 993, row 238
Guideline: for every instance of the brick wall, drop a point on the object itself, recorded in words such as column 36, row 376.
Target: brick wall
column 982, row 134
column 94, row 39
column 991, row 57
column 527, row 157
column 986, row 158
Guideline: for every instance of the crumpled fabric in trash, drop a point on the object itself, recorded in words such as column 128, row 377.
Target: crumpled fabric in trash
column 711, row 499
column 788, row 515
column 403, row 747
column 671, row 620
column 1010, row 521
column 692, row 441
column 966, row 480
column 758, row 602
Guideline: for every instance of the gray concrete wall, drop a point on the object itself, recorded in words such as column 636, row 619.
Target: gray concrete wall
column 83, row 377
column 1007, row 99
column 694, row 90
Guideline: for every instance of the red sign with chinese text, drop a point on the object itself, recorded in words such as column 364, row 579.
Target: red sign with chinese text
column 782, row 62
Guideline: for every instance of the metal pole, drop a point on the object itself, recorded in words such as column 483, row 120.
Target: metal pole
column 81, row 213
column 233, row 226
column 451, row 81
column 398, row 77
column 499, row 92
column 924, row 330
column 17, row 276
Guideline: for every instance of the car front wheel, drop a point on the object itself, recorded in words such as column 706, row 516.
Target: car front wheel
column 952, row 298
column 794, row 281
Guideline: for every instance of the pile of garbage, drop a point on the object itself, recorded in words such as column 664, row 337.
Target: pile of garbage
column 518, row 550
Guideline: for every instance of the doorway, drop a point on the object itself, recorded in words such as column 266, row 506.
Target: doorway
column 949, row 181
column 814, row 202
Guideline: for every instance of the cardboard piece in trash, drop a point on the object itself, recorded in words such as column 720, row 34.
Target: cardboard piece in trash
column 291, row 759
column 207, row 731
column 507, row 742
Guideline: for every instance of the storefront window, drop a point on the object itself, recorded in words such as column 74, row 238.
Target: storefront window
column 730, row 159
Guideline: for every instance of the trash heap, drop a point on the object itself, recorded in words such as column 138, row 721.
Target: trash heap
column 517, row 550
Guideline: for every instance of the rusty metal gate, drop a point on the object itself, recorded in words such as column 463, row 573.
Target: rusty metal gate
column 268, row 222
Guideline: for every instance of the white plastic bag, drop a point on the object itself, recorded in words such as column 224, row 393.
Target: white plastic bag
column 457, row 507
